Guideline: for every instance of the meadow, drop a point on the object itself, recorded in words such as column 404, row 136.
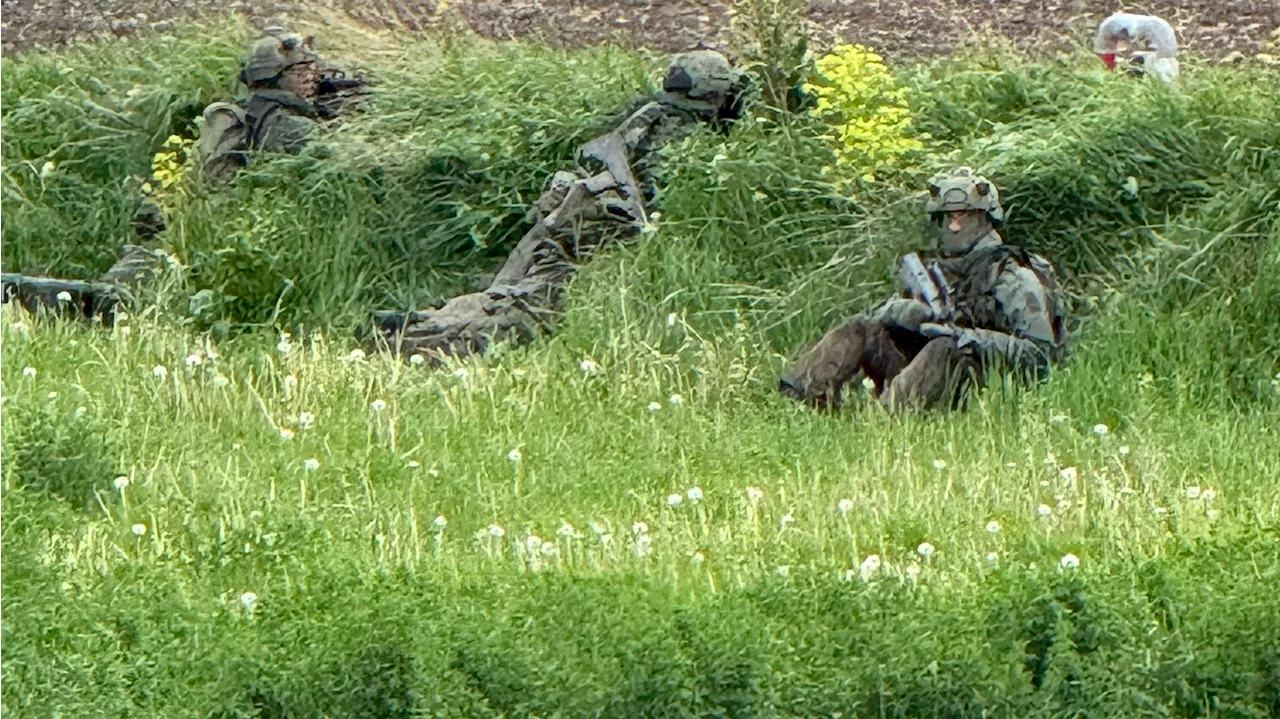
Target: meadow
column 224, row 507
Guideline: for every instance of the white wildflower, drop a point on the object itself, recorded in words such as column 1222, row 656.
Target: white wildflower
column 787, row 518
column 913, row 571
column 496, row 531
column 356, row 355
column 514, row 455
column 549, row 549
column 845, row 506
column 694, row 494
column 1100, row 429
column 566, row 530
column 1069, row 561
column 597, row 527
column 1068, row 474
column 869, row 566
column 639, row 528
column 121, row 482
column 588, row 366
column 675, row 400
column 286, row 434
column 413, row 464
column 290, row 382
column 64, row 296
column 1044, row 510
column 671, row 319
column 159, row 372
column 378, row 405
column 939, row 464
column 784, row 570
column 441, row 522
column 81, row 411
column 754, row 494
column 1058, row 418
column 925, row 550
column 643, row 544
column 220, row 381
column 606, row 538
column 533, row 543
column 1158, row 511
column 28, row 371
column 417, row 360
column 991, row 558
column 311, row 464
column 248, row 600
column 993, row 526
column 306, row 420
column 460, row 373
column 1193, row 492
column 47, row 169
column 868, row 383
column 654, row 406
column 139, row 529
column 283, row 347
column 53, row 395
column 193, row 360
column 1124, row 449
column 675, row 499
column 1208, row 495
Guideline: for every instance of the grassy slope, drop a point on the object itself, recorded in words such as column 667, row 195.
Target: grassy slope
column 365, row 607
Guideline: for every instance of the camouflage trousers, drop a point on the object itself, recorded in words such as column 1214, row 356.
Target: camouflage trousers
column 909, row 371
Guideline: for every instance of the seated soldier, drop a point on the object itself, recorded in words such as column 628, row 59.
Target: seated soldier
column 1002, row 309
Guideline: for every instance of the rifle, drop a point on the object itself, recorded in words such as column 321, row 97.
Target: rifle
column 89, row 298
column 928, row 286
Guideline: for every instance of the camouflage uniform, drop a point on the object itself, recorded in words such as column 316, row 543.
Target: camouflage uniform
column 1008, row 313
column 608, row 196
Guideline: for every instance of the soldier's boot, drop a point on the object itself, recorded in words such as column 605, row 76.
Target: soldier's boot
column 940, row 373
column 859, row 345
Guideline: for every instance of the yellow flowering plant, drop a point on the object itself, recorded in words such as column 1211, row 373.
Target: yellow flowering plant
column 868, row 112
column 170, row 166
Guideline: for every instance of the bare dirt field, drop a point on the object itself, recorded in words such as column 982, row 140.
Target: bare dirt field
column 900, row 29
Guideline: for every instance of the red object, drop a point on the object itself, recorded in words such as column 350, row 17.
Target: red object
column 1109, row 58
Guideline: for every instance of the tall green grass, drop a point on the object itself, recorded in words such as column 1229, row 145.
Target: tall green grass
column 254, row 564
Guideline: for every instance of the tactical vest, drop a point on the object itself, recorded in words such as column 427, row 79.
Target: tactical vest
column 973, row 279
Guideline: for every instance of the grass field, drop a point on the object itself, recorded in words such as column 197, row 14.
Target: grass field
column 204, row 516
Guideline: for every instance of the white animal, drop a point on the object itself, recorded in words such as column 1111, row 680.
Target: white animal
column 1160, row 57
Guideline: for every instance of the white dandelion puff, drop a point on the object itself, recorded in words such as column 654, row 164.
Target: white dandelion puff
column 28, row 371
column 654, row 406
column 248, row 600
column 869, row 566
column 1208, row 495
column 694, row 494
column 286, row 434
column 378, row 405
column 121, row 482
column 311, row 464
column 460, row 373
column 1193, row 492
column 1158, row 511
column 64, row 296
column 413, row 464
column 81, row 411
column 1100, row 429
column 159, row 372
column 845, row 506
column 597, row 527
column 139, row 529
column 566, row 530
column 515, row 455
column 939, row 464
column 1068, row 474
column 913, row 571
column 675, row 499
column 496, row 531
column 784, row 570
column 754, row 494
column 993, row 526
column 787, row 518
column 440, row 522
column 697, row 558
column 290, row 382
column 355, row 355
column 643, row 544
column 221, row 381
column 417, row 360
column 193, row 360
column 1069, row 561
column 306, row 420
column 639, row 528
column 549, row 549
column 1044, row 510
column 588, row 367
column 283, row 347
column 925, row 550
column 991, row 558
column 868, row 383
column 675, row 400
column 606, row 538
column 53, row 395
column 533, row 543
column 1124, row 449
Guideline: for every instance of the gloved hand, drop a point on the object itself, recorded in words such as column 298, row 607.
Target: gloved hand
column 905, row 313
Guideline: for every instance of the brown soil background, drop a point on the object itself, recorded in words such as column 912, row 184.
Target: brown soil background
column 900, row 29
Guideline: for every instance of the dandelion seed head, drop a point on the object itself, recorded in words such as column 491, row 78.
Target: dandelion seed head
column 193, row 360
column 925, row 550
column 417, row 360
column 221, row 381
column 515, row 455
column 64, row 296
column 1208, row 495
column 306, row 420
column 286, row 434
column 845, row 506
column 1158, row 511
column 694, row 494
column 1124, row 449
column 939, row 464
column 1193, row 492
column 121, row 482
column 28, row 371
column 1069, row 561
column 787, row 518
column 675, row 400
column 993, row 526
column 311, row 464
column 1100, row 429
column 549, row 549
column 290, row 381
column 139, row 529
column 496, row 531
column 913, row 571
column 870, row 565
column 588, row 366
column 868, row 383
column 248, row 600
column 378, row 405
column 654, row 406
column 533, row 543
column 671, row 319
column 566, row 530
column 754, row 494
column 53, row 395
column 440, row 522
column 639, row 528
column 697, row 558
column 81, row 411
column 784, row 571
column 460, row 373
column 356, row 355
column 1044, row 510
column 1068, row 474
column 675, row 499
column 413, row 464
column 159, row 372
column 283, row 347
column 991, row 557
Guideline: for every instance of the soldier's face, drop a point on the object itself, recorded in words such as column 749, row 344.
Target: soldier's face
column 959, row 231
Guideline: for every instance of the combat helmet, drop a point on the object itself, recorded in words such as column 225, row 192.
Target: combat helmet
column 272, row 55
column 962, row 189
column 702, row 81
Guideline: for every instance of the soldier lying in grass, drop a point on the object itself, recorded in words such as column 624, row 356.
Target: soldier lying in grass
column 987, row 306
column 607, row 196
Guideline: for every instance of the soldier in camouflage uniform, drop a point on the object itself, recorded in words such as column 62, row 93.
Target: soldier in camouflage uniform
column 608, row 196
column 1007, row 314
column 291, row 91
